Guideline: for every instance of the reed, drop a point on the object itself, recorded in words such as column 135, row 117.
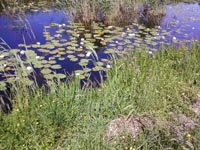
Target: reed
column 111, row 12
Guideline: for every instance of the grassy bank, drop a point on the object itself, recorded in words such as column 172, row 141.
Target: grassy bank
column 72, row 118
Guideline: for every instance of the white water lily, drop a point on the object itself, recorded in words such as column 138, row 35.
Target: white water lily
column 37, row 57
column 29, row 68
column 193, row 28
column 82, row 39
column 116, row 41
column 150, row 52
column 108, row 66
column 22, row 52
column 63, row 25
column 38, row 43
column 4, row 65
column 163, row 37
column 174, row 38
column 59, row 25
column 81, row 43
column 110, row 27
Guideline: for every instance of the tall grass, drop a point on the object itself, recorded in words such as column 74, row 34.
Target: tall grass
column 120, row 12
column 69, row 117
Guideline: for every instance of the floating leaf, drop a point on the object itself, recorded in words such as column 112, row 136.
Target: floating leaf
column 71, row 56
column 56, row 66
column 46, row 71
column 74, row 59
column 60, row 76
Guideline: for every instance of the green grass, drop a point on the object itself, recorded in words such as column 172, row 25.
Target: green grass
column 69, row 117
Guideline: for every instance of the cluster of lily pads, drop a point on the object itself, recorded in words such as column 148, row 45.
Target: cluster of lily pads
column 88, row 49
column 14, row 7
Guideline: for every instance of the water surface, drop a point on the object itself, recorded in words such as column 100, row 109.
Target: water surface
column 73, row 44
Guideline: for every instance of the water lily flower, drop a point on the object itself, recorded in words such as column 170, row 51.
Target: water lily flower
column 174, row 38
column 5, row 65
column 63, row 25
column 163, row 37
column 110, row 27
column 29, row 68
column 150, row 52
column 82, row 39
column 193, row 28
column 59, row 25
column 108, row 66
column 88, row 54
column 102, row 39
column 116, row 41
column 37, row 57
column 22, row 52
column 38, row 43
column 81, row 43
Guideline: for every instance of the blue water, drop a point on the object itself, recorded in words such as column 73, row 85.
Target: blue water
column 12, row 30
column 186, row 18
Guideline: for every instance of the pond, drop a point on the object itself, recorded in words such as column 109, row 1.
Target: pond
column 46, row 44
